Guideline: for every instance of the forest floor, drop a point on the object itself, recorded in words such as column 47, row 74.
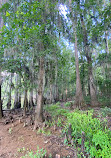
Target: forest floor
column 17, row 138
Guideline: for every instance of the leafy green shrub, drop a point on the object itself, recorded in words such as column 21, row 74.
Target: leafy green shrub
column 67, row 104
column 97, row 137
column 105, row 111
column 56, row 110
column 52, row 108
column 58, row 103
column 40, row 153
column 61, row 112
column 44, row 131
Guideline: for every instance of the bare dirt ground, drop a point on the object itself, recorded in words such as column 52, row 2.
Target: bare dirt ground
column 14, row 137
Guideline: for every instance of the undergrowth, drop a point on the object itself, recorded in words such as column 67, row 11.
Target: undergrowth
column 105, row 111
column 55, row 110
column 40, row 153
column 97, row 137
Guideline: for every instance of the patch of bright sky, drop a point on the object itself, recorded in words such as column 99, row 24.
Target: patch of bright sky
column 64, row 11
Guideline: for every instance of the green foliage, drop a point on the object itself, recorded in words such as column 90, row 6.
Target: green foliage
column 40, row 153
column 56, row 110
column 105, row 111
column 59, row 122
column 44, row 131
column 10, row 130
column 67, row 104
column 97, row 137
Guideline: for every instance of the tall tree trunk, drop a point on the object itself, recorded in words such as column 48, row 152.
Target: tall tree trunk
column 31, row 103
column 39, row 108
column 25, row 102
column 1, row 25
column 56, row 87
column 9, row 96
column 17, row 104
column 106, row 42
column 88, row 52
column 1, row 112
column 79, row 100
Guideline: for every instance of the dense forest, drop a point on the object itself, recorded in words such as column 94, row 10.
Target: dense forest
column 57, row 53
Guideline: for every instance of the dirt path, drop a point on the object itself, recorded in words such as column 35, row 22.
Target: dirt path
column 14, row 137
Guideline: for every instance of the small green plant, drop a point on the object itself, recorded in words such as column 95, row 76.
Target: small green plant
column 21, row 149
column 67, row 104
column 58, row 103
column 59, row 122
column 56, row 110
column 105, row 111
column 40, row 153
column 10, row 130
column 61, row 112
column 44, row 131
column 50, row 123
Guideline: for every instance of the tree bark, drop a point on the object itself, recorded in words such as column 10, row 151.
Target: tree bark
column 1, row 25
column 39, row 108
column 17, row 104
column 9, row 97
column 92, row 88
column 25, row 102
column 31, row 103
column 1, row 111
column 79, row 100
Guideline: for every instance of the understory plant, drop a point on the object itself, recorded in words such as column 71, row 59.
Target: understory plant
column 97, row 136
column 40, row 153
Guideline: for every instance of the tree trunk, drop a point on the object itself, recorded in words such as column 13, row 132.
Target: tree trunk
column 9, row 97
column 25, row 102
column 51, row 95
column 17, row 104
column 31, row 103
column 56, row 98
column 94, row 101
column 1, row 112
column 92, row 88
column 106, row 42
column 39, row 108
column 1, row 25
column 79, row 100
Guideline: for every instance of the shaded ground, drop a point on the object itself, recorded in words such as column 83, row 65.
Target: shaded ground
column 14, row 137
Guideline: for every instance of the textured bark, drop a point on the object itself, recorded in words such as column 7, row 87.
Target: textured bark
column 106, row 42
column 79, row 100
column 51, row 95
column 1, row 25
column 31, row 103
column 1, row 111
column 17, row 104
column 39, row 108
column 9, row 97
column 56, row 97
column 88, row 52
column 25, row 102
